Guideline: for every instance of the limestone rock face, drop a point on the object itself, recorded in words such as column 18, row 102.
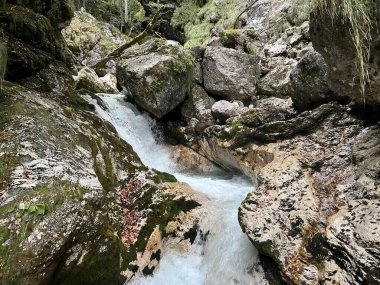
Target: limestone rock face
column 314, row 211
column 309, row 83
column 157, row 74
column 230, row 74
column 333, row 40
column 190, row 161
column 313, row 220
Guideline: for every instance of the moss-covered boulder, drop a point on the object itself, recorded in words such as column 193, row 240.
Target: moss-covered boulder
column 58, row 11
column 33, row 28
column 89, row 39
column 32, row 34
column 158, row 75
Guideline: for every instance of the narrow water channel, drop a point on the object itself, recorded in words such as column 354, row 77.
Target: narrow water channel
column 227, row 257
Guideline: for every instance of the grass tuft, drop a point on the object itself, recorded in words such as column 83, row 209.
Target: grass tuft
column 360, row 15
column 3, row 62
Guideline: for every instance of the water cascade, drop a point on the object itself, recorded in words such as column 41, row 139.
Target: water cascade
column 227, row 257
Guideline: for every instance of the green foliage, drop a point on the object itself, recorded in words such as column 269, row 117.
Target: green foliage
column 252, row 49
column 185, row 13
column 112, row 11
column 3, row 61
column 38, row 209
column 299, row 12
column 360, row 16
column 136, row 15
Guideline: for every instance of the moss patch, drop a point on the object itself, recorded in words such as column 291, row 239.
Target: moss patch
column 198, row 31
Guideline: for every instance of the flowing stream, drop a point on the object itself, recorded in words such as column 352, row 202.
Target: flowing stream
column 227, row 257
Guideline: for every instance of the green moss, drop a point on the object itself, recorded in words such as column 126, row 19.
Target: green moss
column 185, row 13
column 252, row 49
column 198, row 34
column 95, row 268
column 105, row 174
column 249, row 119
column 230, row 37
column 299, row 12
column 9, row 108
column 161, row 213
column 161, row 177
column 52, row 195
column 68, row 112
column 210, row 16
column 33, row 28
column 154, row 88
column 77, row 102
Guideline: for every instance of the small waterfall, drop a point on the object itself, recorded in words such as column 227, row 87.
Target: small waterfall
column 227, row 257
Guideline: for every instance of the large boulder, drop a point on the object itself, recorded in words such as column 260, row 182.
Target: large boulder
column 198, row 106
column 265, row 111
column 230, row 74
column 89, row 39
column 277, row 81
column 158, row 75
column 333, row 39
column 309, row 83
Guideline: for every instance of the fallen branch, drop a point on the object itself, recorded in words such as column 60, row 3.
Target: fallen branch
column 245, row 10
column 117, row 52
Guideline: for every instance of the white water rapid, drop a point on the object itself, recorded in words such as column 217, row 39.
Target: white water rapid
column 227, row 257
